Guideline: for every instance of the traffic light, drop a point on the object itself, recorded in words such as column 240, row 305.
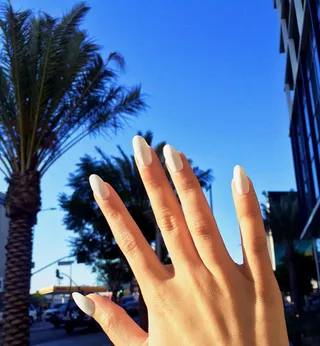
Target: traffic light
column 58, row 274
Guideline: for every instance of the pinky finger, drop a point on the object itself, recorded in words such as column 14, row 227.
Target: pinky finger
column 254, row 240
column 115, row 322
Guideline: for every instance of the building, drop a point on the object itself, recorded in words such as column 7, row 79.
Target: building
column 61, row 294
column 300, row 41
column 4, row 227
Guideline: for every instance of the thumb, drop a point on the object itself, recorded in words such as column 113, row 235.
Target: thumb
column 117, row 324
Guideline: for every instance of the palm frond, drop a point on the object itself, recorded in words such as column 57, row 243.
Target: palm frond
column 55, row 88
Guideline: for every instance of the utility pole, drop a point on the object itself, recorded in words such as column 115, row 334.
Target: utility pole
column 67, row 263
column 49, row 265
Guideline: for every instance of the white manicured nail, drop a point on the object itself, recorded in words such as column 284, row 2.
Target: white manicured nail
column 240, row 180
column 98, row 187
column 173, row 158
column 84, row 303
column 142, row 151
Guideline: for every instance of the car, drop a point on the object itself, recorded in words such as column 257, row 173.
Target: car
column 32, row 315
column 71, row 317
column 54, row 308
column 56, row 318
column 130, row 304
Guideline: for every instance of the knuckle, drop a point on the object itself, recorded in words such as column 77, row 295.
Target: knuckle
column 153, row 182
column 272, row 299
column 109, row 323
column 249, row 215
column 128, row 245
column 188, row 186
column 167, row 222
column 200, row 229
column 259, row 245
column 113, row 213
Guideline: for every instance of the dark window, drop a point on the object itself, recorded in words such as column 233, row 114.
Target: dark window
column 304, row 163
column 317, row 122
column 294, row 30
column 306, row 115
column 285, row 10
column 311, row 96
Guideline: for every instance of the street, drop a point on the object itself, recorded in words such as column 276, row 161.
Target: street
column 44, row 334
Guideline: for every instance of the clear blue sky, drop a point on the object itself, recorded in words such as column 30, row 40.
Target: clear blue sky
column 214, row 77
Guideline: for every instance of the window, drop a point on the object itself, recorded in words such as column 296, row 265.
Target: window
column 317, row 122
column 314, row 84
column 311, row 96
column 310, row 147
column 316, row 61
column 304, row 164
column 313, row 71
column 300, row 142
column 315, row 179
column 306, row 115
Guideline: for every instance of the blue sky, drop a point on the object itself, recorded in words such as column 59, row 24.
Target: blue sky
column 214, row 79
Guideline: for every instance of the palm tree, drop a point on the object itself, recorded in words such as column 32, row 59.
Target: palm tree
column 55, row 89
column 94, row 238
column 282, row 218
column 94, row 242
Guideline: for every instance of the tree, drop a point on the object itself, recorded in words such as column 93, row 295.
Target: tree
column 94, row 243
column 306, row 271
column 37, row 299
column 55, row 89
column 282, row 217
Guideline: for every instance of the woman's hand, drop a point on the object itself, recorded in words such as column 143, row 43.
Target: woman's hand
column 204, row 298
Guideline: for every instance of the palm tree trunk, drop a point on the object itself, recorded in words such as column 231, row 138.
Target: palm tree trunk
column 22, row 204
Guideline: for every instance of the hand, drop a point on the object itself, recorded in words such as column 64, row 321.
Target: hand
column 204, row 298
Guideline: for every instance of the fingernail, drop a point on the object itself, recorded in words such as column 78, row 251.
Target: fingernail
column 84, row 303
column 98, row 187
column 142, row 151
column 240, row 180
column 173, row 158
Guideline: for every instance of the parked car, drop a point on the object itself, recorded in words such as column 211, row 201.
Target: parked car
column 55, row 316
column 54, row 308
column 70, row 317
column 32, row 314
column 130, row 304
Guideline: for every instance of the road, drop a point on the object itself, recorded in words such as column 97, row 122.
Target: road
column 44, row 334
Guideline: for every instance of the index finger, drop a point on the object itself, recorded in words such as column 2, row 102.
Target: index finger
column 140, row 255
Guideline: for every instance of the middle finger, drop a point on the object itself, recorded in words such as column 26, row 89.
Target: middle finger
column 166, row 208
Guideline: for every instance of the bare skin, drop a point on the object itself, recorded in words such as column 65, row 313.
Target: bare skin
column 204, row 298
